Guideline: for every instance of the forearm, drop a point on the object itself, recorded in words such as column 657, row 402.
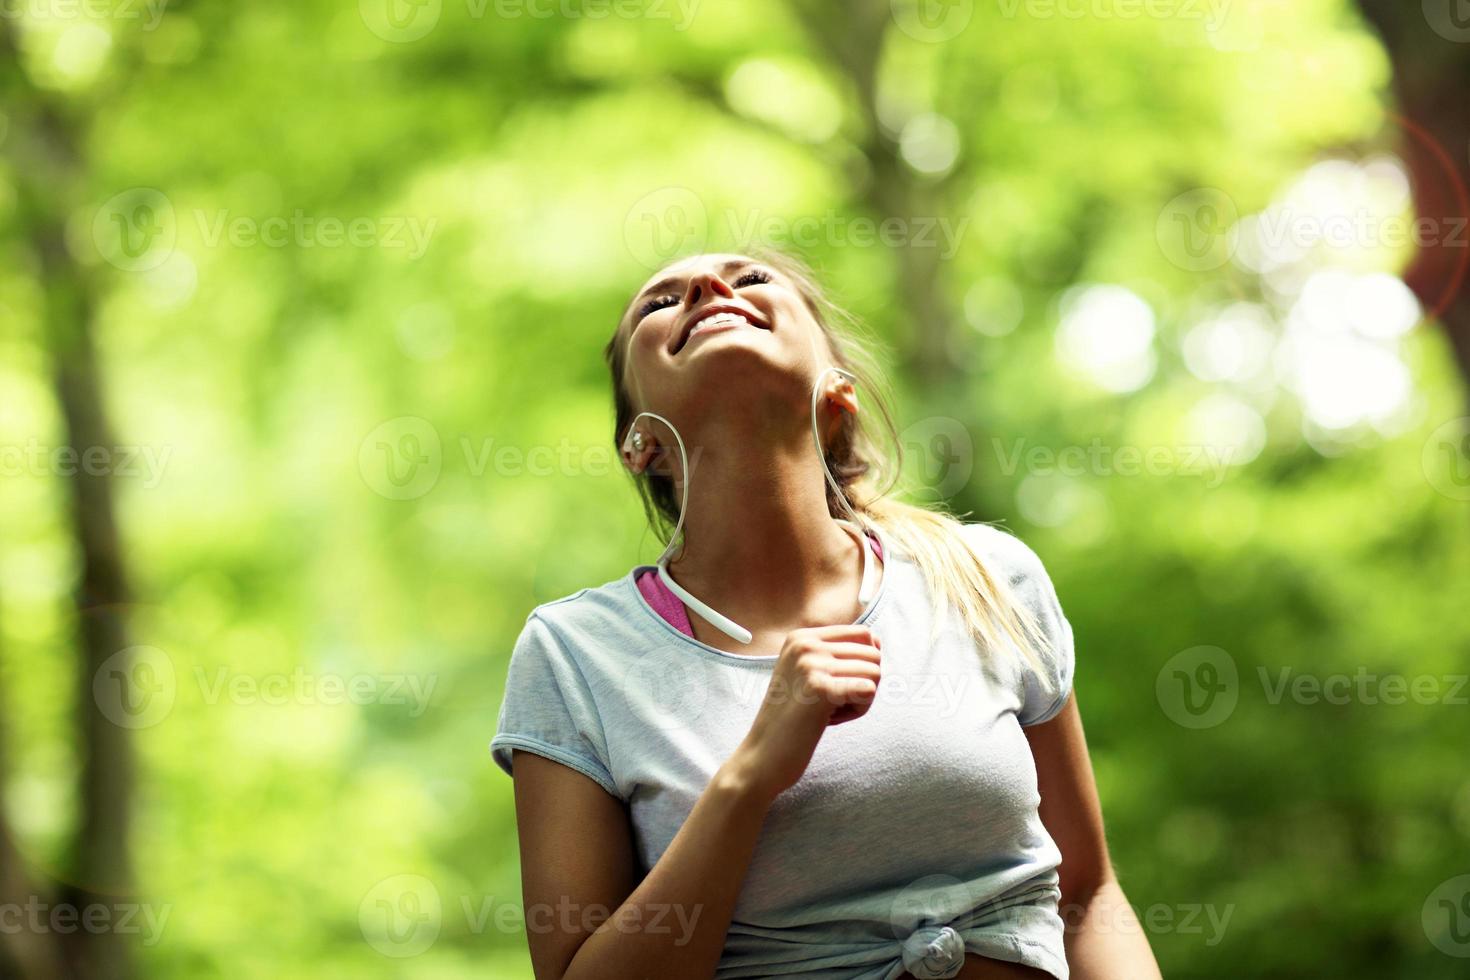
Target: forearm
column 674, row 923
column 1104, row 938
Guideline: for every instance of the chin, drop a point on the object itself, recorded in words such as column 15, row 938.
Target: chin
column 743, row 370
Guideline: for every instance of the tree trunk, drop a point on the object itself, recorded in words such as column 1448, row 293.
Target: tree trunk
column 101, row 870
column 24, row 953
column 852, row 35
column 1431, row 77
column 51, row 184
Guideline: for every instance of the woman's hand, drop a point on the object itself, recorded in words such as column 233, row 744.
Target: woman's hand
column 826, row 675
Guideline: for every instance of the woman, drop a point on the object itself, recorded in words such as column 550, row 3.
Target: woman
column 834, row 735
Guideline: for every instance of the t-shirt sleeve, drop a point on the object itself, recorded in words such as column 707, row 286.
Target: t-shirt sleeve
column 548, row 708
column 1032, row 587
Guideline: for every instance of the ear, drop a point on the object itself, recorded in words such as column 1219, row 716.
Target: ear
column 841, row 395
column 635, row 459
column 842, row 392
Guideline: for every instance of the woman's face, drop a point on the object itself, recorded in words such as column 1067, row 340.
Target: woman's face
column 718, row 318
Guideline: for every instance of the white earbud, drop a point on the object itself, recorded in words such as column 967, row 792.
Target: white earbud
column 633, row 442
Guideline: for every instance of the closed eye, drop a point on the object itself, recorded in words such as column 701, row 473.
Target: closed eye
column 652, row 305
column 752, row 278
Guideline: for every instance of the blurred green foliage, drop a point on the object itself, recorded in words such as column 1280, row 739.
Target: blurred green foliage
column 511, row 177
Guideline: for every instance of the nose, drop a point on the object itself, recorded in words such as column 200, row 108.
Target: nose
column 705, row 284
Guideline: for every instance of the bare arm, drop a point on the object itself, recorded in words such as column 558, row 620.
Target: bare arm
column 1104, row 937
column 587, row 916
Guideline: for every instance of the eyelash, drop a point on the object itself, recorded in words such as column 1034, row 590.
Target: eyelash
column 753, row 277
column 759, row 275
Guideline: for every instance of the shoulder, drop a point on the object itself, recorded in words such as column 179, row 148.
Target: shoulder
column 587, row 609
column 1019, row 570
column 1009, row 558
column 574, row 643
column 1005, row 554
column 587, row 627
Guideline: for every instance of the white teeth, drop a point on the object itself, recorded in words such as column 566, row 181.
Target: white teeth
column 720, row 319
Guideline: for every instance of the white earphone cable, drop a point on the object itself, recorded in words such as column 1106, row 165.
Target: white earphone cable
column 858, row 527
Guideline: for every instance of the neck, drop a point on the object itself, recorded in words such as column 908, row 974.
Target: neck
column 758, row 538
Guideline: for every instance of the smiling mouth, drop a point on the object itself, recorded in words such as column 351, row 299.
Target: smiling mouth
column 723, row 319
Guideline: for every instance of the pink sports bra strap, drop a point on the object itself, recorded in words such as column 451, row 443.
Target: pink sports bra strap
column 668, row 605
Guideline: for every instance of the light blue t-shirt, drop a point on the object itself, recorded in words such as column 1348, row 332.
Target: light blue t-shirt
column 912, row 838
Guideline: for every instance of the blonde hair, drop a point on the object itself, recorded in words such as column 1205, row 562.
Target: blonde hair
column 868, row 477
